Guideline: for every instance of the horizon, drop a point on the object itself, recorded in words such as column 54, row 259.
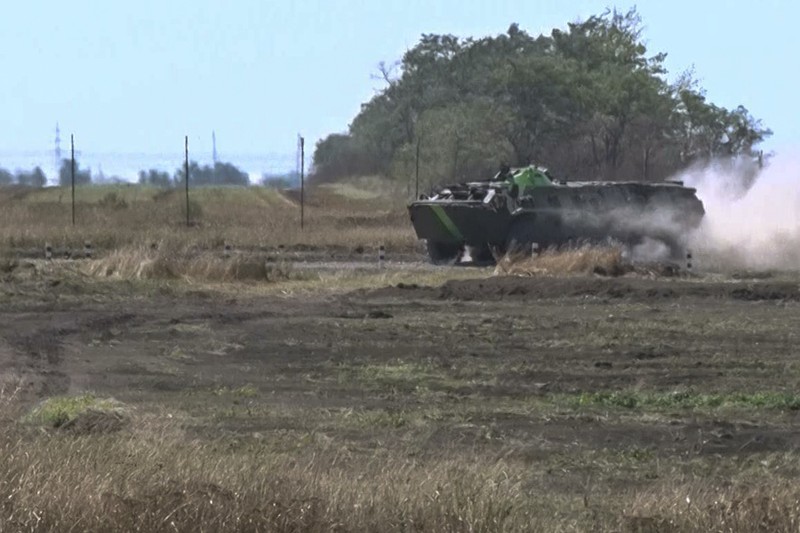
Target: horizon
column 127, row 165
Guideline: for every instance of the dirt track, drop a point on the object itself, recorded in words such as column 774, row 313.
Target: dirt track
column 512, row 365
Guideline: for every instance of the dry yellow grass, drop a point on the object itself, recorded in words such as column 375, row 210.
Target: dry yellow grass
column 153, row 476
column 759, row 506
column 148, row 262
column 586, row 259
column 112, row 217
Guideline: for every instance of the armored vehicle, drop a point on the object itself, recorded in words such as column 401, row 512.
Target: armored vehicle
column 520, row 209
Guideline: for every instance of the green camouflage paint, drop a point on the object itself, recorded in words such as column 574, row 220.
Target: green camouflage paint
column 447, row 222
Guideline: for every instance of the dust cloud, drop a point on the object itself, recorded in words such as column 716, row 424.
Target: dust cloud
column 752, row 216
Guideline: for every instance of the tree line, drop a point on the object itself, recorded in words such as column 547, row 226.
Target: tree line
column 219, row 173
column 588, row 102
column 26, row 178
column 199, row 175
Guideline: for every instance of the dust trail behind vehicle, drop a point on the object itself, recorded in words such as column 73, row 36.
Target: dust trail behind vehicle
column 752, row 217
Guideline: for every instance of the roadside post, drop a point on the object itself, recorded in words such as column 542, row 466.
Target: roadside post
column 72, row 173
column 302, row 142
column 381, row 256
column 186, row 170
column 87, row 249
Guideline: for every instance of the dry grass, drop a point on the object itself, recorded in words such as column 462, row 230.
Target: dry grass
column 160, row 262
column 153, row 476
column 112, row 217
column 585, row 259
column 761, row 506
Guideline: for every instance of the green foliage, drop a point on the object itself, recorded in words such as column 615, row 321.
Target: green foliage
column 281, row 181
column 155, row 178
column 59, row 410
column 343, row 155
column 689, row 400
column 82, row 177
column 588, row 102
column 219, row 174
column 245, row 391
column 276, row 183
column 34, row 178
column 6, row 177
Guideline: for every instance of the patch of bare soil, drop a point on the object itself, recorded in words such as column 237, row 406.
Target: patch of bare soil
column 506, row 364
column 527, row 288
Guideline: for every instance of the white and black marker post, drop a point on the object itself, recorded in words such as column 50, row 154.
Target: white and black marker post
column 534, row 249
column 48, row 251
column 381, row 256
column 688, row 260
column 227, row 250
column 87, row 249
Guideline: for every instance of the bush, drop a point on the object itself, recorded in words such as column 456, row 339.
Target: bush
column 113, row 201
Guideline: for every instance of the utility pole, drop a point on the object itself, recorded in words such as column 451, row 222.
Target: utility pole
column 214, row 147
column 186, row 169
column 72, row 149
column 302, row 180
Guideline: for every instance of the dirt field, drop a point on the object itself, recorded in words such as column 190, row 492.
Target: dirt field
column 594, row 391
column 295, row 386
column 514, row 357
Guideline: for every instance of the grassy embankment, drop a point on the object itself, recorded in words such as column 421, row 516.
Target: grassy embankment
column 141, row 232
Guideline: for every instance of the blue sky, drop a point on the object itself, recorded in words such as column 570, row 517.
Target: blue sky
column 134, row 77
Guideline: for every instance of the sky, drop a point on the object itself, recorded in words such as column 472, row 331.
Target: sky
column 130, row 79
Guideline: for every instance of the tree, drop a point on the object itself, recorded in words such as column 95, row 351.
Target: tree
column 342, row 155
column 155, row 178
column 219, row 174
column 228, row 174
column 34, row 178
column 82, row 177
column 6, row 177
column 467, row 145
column 589, row 101
column 286, row 180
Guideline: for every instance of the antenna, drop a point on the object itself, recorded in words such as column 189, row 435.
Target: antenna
column 214, row 146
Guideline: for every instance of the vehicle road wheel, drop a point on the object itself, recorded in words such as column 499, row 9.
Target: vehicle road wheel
column 442, row 253
column 520, row 237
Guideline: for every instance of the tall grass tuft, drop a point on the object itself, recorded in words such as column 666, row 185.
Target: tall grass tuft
column 182, row 262
column 584, row 259
column 700, row 506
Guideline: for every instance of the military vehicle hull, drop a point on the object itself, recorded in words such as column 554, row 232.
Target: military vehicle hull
column 495, row 217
